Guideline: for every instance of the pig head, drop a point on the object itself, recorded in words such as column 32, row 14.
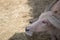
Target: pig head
column 42, row 24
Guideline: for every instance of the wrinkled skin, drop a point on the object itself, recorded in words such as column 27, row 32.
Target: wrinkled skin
column 43, row 24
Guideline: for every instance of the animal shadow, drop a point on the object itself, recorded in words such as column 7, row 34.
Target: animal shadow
column 18, row 36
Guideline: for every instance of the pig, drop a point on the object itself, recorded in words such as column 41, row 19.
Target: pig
column 45, row 23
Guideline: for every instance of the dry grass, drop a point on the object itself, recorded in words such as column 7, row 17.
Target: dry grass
column 14, row 16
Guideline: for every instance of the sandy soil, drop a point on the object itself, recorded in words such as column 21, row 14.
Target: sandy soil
column 15, row 15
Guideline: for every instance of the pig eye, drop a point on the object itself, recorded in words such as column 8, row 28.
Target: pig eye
column 44, row 22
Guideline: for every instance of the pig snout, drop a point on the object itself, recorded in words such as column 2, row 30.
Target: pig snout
column 28, row 31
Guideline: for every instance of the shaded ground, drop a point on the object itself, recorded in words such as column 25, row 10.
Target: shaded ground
column 22, row 36
column 18, row 36
column 38, row 6
column 15, row 15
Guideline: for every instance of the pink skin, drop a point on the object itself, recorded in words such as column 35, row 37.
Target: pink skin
column 43, row 24
column 56, row 7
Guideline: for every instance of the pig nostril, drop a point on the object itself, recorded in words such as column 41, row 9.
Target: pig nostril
column 26, row 29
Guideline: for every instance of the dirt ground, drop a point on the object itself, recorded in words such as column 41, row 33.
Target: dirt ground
column 15, row 15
